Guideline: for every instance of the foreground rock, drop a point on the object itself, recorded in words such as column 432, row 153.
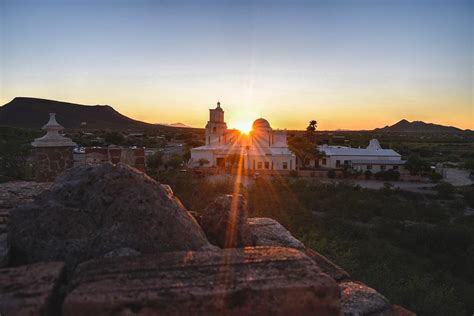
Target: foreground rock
column 250, row 281
column 15, row 193
column 93, row 210
column 31, row 289
column 268, row 232
column 359, row 299
column 225, row 222
column 327, row 266
column 4, row 250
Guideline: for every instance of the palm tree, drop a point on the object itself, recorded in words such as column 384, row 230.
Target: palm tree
column 311, row 130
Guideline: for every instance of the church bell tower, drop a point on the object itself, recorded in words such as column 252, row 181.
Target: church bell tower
column 216, row 127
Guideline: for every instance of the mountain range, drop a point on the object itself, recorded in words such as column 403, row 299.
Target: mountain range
column 418, row 126
column 33, row 113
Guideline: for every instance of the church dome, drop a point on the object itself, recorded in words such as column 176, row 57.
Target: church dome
column 261, row 123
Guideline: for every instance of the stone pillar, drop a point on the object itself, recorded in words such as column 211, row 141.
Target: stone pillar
column 52, row 152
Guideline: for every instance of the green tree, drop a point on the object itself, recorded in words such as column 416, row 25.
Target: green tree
column 175, row 161
column 155, row 161
column 114, row 137
column 311, row 130
column 304, row 149
column 416, row 165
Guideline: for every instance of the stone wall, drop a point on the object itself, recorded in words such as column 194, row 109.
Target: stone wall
column 134, row 157
column 50, row 162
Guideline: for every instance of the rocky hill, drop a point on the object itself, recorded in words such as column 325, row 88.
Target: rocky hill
column 418, row 126
column 33, row 113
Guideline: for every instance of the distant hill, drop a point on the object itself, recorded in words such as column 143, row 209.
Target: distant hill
column 178, row 124
column 418, row 126
column 33, row 113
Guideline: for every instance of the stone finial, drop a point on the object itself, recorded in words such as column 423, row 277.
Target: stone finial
column 52, row 137
column 374, row 144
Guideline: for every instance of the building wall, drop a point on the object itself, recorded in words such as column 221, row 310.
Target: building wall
column 50, row 162
column 270, row 162
column 376, row 168
column 331, row 161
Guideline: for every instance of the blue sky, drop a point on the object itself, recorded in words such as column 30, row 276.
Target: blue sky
column 348, row 64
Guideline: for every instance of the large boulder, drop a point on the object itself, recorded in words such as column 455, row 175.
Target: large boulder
column 359, row 299
column 225, row 222
column 93, row 210
column 329, row 267
column 249, row 281
column 268, row 232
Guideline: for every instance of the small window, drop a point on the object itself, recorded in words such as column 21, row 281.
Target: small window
column 323, row 161
column 395, row 167
column 382, row 167
column 369, row 167
column 285, row 165
column 346, row 162
column 259, row 165
column 267, row 165
column 213, row 129
column 338, row 163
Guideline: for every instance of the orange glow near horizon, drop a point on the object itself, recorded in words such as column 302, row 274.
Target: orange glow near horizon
column 244, row 127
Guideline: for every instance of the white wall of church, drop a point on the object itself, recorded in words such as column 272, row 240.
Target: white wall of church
column 271, row 163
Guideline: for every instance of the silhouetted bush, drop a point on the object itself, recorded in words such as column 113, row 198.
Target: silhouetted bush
column 294, row 173
column 389, row 175
column 436, row 177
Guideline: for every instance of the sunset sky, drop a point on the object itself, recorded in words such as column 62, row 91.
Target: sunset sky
column 347, row 64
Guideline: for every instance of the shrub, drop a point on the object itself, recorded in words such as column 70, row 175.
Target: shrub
column 469, row 165
column 436, row 177
column 368, row 174
column 389, row 175
column 154, row 161
column 114, row 137
column 445, row 190
column 331, row 174
column 294, row 173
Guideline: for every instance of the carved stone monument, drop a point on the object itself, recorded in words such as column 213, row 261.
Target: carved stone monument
column 52, row 152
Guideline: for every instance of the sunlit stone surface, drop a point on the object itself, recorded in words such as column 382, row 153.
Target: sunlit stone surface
column 255, row 281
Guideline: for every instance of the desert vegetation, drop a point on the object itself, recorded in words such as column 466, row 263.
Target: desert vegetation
column 416, row 249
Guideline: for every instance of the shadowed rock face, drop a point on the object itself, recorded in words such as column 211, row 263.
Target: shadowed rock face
column 268, row 232
column 93, row 210
column 225, row 222
column 249, row 281
column 31, row 289
column 359, row 299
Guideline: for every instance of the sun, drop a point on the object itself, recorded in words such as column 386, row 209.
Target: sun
column 244, row 127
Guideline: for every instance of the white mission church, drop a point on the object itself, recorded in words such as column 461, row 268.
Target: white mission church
column 264, row 148
column 267, row 149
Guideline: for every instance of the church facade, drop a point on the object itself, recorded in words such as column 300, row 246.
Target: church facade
column 263, row 149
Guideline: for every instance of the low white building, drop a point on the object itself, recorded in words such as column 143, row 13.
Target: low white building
column 373, row 158
column 263, row 149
